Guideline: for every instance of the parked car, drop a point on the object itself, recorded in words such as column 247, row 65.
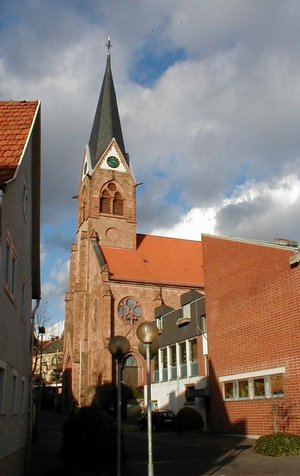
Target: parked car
column 161, row 420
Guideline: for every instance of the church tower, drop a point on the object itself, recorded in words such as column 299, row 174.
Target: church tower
column 117, row 277
column 107, row 195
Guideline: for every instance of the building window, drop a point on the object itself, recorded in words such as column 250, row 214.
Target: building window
column 243, row 389
column 194, row 357
column 164, row 364
column 186, row 311
column 259, row 387
column 156, row 369
column 10, row 267
column 190, row 394
column 173, row 362
column 159, row 322
column 111, row 200
column 182, row 360
column 130, row 310
column 229, row 390
column 256, row 387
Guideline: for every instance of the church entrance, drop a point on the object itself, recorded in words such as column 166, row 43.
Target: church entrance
column 130, row 372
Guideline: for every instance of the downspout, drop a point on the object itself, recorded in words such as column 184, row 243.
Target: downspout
column 1, row 203
column 30, row 415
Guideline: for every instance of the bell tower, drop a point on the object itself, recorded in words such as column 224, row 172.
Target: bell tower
column 107, row 194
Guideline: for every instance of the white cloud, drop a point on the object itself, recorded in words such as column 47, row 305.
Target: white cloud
column 60, row 273
column 191, row 225
column 215, row 139
column 54, row 289
column 255, row 210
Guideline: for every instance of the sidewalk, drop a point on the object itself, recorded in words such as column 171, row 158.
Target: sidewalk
column 188, row 455
column 202, row 455
column 45, row 452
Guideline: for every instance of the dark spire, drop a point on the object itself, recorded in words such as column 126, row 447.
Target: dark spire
column 106, row 123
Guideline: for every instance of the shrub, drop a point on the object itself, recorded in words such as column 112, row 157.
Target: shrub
column 89, row 439
column 278, row 444
column 188, row 419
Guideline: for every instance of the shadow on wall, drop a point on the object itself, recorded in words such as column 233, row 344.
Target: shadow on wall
column 69, row 402
column 106, row 399
column 220, row 421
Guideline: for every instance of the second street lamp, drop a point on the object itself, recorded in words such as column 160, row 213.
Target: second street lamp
column 147, row 333
column 119, row 346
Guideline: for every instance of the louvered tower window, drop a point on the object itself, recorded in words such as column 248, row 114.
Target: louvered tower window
column 118, row 204
column 105, row 202
column 111, row 200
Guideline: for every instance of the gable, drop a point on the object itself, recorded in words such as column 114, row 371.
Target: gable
column 16, row 121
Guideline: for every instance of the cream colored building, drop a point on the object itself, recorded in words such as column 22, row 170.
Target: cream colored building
column 20, row 273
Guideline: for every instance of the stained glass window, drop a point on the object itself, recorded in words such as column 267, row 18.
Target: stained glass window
column 228, row 390
column 243, row 388
column 259, row 387
column 130, row 310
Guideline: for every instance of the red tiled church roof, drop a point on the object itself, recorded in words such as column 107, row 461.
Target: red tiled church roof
column 16, row 118
column 158, row 260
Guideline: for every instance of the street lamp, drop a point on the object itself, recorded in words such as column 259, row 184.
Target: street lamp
column 42, row 332
column 147, row 333
column 119, row 346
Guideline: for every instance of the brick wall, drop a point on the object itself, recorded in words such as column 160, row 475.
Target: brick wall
column 253, row 323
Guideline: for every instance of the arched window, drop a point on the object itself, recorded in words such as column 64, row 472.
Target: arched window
column 111, row 200
column 130, row 310
column 105, row 202
column 118, row 204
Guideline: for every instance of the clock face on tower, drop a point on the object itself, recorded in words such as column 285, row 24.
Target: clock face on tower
column 113, row 162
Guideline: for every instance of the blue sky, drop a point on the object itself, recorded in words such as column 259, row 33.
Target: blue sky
column 209, row 99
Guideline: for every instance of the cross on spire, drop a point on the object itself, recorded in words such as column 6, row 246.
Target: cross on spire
column 108, row 45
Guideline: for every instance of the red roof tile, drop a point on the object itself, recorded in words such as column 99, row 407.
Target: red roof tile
column 158, row 260
column 15, row 122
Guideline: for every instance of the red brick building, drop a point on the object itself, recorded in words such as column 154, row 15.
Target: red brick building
column 252, row 295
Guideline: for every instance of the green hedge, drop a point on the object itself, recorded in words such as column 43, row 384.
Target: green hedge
column 278, row 444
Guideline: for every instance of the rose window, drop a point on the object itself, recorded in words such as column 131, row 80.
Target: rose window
column 130, row 310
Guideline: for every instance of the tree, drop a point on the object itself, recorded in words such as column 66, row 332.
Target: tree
column 40, row 322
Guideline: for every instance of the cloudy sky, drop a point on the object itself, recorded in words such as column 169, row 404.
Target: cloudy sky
column 209, row 99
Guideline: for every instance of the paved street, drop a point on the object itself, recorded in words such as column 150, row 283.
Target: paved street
column 196, row 455
column 187, row 455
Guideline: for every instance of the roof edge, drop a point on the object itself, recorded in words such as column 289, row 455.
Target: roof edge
column 248, row 241
column 27, row 139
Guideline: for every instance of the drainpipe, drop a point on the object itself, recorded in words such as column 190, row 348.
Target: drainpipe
column 2, row 193
column 30, row 399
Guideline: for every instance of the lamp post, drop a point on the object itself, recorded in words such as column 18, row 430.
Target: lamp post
column 147, row 333
column 119, row 346
column 42, row 332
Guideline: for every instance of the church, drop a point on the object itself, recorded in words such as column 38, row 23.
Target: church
column 118, row 277
column 233, row 355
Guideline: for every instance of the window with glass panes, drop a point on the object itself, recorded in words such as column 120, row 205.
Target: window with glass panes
column 193, row 357
column 182, row 359
column 265, row 386
column 164, row 364
column 173, row 362
column 156, row 369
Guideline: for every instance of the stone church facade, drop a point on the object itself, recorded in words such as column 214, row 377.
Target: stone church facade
column 117, row 277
